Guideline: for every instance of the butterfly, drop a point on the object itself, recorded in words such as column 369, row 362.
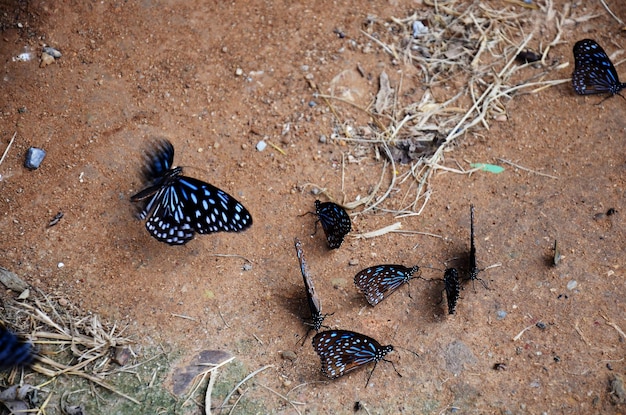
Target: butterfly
column 473, row 269
column 381, row 280
column 452, row 287
column 342, row 351
column 178, row 206
column 593, row 71
column 13, row 351
column 315, row 306
column 335, row 222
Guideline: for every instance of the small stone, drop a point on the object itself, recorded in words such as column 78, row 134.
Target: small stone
column 353, row 262
column 34, row 157
column 501, row 118
column 46, row 60
column 261, row 145
column 323, row 139
column 239, row 72
column 572, row 284
column 60, row 265
column 501, row 314
column 247, row 266
column 52, row 52
column 224, row 49
column 63, row 302
column 289, row 355
column 312, row 104
column 541, row 325
column 122, row 355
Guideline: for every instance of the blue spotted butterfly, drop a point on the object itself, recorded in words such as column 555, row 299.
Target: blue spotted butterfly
column 335, row 222
column 342, row 351
column 13, row 351
column 177, row 206
column 594, row 72
column 380, row 281
column 315, row 305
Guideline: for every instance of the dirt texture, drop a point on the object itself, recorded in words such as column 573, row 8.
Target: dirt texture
column 215, row 78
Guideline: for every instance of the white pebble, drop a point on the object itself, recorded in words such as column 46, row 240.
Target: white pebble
column 60, row 265
column 572, row 284
column 260, row 146
column 239, row 72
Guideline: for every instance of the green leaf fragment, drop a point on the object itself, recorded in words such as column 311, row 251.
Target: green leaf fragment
column 491, row 168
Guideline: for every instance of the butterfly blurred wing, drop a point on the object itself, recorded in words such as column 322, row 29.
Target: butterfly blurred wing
column 382, row 280
column 594, row 72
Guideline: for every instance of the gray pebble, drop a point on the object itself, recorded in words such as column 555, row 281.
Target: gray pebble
column 501, row 314
column 312, row 104
column 34, row 157
column 52, row 52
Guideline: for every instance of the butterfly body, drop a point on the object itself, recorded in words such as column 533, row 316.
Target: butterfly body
column 380, row 281
column 594, row 72
column 342, row 351
column 473, row 268
column 315, row 305
column 13, row 351
column 177, row 206
column 452, row 287
column 335, row 222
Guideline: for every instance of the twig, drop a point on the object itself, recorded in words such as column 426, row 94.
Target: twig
column 290, row 402
column 620, row 21
column 380, row 232
column 183, row 316
column 519, row 335
column 209, row 389
column 615, row 326
column 526, row 169
column 8, row 147
column 250, row 376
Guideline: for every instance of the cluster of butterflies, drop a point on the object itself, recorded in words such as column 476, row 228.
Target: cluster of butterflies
column 342, row 351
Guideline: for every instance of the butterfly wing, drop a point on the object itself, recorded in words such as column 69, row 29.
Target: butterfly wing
column 453, row 288
column 594, row 72
column 13, row 351
column 342, row 351
column 315, row 306
column 382, row 280
column 335, row 222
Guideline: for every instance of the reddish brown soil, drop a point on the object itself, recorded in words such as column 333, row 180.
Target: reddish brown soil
column 132, row 71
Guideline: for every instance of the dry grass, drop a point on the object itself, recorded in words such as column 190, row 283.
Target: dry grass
column 67, row 342
column 465, row 57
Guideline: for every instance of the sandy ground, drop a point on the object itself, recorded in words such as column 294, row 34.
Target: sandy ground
column 132, row 71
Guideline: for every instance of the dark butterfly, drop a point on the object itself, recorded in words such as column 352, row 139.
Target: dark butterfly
column 177, row 206
column 13, row 351
column 453, row 288
column 381, row 280
column 342, row 351
column 473, row 269
column 335, row 222
column 593, row 71
column 315, row 306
